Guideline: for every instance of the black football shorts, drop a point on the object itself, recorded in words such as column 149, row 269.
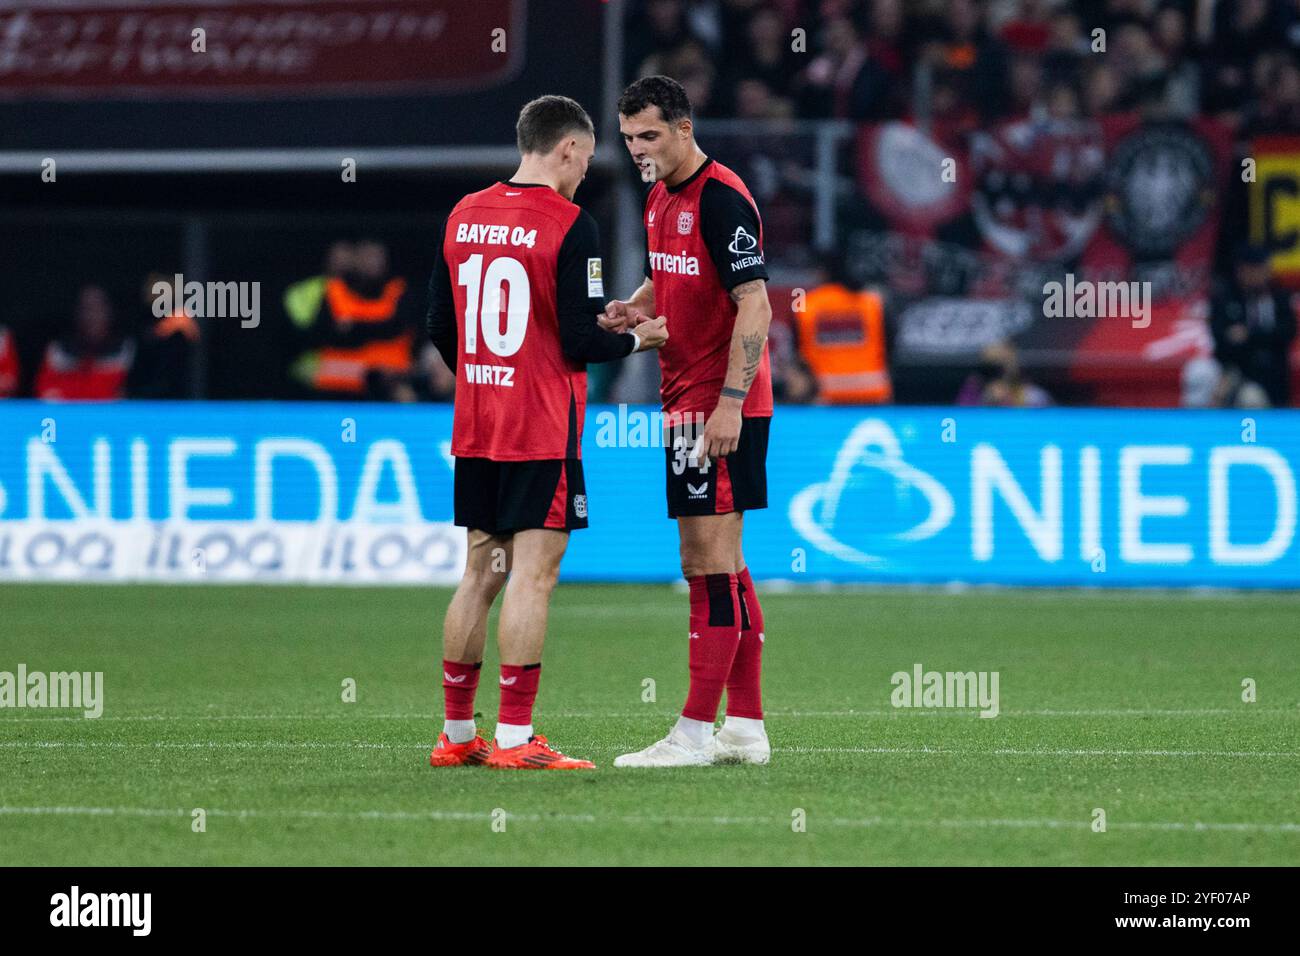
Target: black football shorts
column 502, row 497
column 738, row 482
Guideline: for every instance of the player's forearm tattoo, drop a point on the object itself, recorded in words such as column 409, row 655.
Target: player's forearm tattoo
column 753, row 346
column 747, row 288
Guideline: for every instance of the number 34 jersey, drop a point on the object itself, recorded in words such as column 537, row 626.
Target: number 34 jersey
column 703, row 238
column 523, row 276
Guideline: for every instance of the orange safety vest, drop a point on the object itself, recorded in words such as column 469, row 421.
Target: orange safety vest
column 178, row 321
column 344, row 370
column 842, row 338
column 8, row 364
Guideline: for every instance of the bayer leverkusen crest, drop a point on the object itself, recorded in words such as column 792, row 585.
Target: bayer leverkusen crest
column 684, row 223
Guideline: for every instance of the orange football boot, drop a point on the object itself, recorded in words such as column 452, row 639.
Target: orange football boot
column 537, row 754
column 447, row 754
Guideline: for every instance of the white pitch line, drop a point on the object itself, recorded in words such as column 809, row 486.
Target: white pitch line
column 156, row 717
column 605, row 748
column 658, row 715
column 205, row 745
column 633, row 819
column 1054, row 752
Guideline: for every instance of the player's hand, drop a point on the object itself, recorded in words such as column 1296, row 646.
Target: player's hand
column 721, row 431
column 617, row 317
column 652, row 332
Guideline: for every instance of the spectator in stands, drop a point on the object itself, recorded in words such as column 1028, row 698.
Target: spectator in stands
column 1139, row 67
column 972, row 61
column 1254, row 324
column 1025, row 84
column 1110, row 15
column 887, row 38
column 766, row 57
column 10, row 371
column 754, row 100
column 843, row 340
column 1029, row 28
column 1061, row 100
column 165, row 347
column 1067, row 35
column 843, row 81
column 92, row 361
column 691, row 66
column 999, row 382
column 1101, row 89
column 1182, row 74
column 656, row 31
column 1241, row 30
column 1277, row 110
column 889, row 47
column 355, row 327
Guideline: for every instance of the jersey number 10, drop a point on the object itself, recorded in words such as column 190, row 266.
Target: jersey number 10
column 500, row 273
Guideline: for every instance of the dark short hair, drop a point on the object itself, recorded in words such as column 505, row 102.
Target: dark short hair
column 661, row 91
column 543, row 122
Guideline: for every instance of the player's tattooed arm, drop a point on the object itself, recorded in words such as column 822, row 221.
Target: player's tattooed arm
column 753, row 346
column 751, row 287
column 753, row 316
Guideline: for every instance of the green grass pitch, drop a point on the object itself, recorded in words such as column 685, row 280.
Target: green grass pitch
column 229, row 699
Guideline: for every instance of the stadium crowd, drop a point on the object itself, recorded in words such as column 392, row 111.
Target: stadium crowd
column 993, row 59
column 355, row 330
column 968, row 65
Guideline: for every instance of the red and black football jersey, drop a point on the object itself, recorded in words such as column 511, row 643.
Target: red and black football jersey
column 512, row 308
column 704, row 237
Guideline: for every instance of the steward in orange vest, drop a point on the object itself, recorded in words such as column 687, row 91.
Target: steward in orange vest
column 841, row 336
column 356, row 330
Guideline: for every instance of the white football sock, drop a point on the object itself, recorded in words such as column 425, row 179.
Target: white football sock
column 744, row 726
column 698, row 732
column 513, row 735
column 459, row 731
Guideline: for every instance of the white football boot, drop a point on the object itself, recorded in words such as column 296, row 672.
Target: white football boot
column 675, row 750
column 733, row 745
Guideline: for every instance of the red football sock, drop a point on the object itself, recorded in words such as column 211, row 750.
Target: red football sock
column 745, row 682
column 459, row 681
column 518, row 691
column 715, row 634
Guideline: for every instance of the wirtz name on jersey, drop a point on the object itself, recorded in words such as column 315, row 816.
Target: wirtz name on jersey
column 490, row 374
column 675, row 265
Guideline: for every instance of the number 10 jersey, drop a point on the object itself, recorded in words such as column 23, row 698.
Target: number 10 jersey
column 519, row 259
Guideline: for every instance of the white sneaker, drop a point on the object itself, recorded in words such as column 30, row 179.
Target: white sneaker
column 675, row 750
column 731, row 747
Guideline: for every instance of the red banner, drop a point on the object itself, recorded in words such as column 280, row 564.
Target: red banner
column 249, row 47
column 1108, row 201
